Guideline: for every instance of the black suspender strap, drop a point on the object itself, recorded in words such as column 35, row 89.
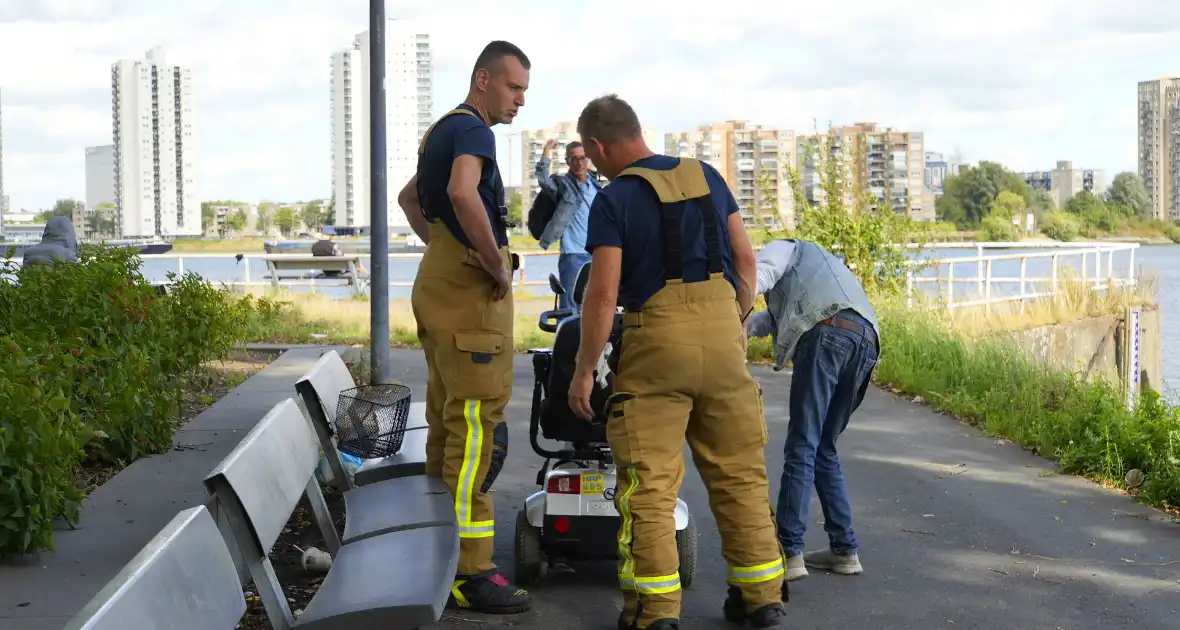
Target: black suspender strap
column 712, row 234
column 674, row 239
column 673, row 242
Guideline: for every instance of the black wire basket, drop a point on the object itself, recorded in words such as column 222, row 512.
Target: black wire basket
column 371, row 420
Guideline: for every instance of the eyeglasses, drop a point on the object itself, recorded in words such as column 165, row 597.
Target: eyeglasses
column 576, row 158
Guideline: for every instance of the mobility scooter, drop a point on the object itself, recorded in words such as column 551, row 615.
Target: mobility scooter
column 574, row 517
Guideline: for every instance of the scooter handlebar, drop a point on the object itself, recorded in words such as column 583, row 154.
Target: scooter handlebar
column 554, row 316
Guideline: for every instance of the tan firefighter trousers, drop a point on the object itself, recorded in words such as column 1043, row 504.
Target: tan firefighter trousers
column 682, row 374
column 467, row 338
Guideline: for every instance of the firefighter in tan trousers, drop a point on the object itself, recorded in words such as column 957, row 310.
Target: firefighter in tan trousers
column 462, row 301
column 669, row 246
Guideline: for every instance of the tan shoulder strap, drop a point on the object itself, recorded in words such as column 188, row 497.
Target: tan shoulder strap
column 457, row 110
column 685, row 181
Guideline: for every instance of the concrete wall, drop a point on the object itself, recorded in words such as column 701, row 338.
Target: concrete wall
column 1101, row 347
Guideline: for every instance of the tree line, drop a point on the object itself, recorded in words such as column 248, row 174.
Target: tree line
column 103, row 222
column 987, row 196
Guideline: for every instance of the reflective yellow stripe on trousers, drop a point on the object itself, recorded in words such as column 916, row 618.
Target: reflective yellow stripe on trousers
column 649, row 585
column 472, row 449
column 626, row 534
column 758, row 573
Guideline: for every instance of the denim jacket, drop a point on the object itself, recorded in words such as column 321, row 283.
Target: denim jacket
column 803, row 284
column 568, row 199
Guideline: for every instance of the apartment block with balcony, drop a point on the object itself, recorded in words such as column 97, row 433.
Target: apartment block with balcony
column 155, row 148
column 752, row 159
column 1065, row 181
column 532, row 142
column 409, row 111
column 889, row 164
column 1159, row 148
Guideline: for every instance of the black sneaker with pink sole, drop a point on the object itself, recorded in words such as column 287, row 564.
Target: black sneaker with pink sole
column 490, row 593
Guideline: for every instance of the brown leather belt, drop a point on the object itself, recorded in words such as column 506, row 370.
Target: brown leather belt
column 840, row 322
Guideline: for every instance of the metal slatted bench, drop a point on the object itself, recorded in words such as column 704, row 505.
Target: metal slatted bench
column 184, row 579
column 393, row 580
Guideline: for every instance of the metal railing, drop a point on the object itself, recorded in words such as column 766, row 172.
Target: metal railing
column 520, row 279
column 988, row 285
column 985, row 278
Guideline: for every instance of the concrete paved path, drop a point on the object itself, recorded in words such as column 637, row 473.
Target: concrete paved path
column 957, row 531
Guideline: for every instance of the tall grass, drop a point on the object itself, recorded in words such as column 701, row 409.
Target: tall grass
column 1086, row 427
column 1074, row 300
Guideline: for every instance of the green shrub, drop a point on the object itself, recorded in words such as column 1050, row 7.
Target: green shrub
column 40, row 441
column 998, row 229
column 1060, row 226
column 104, row 360
column 1172, row 231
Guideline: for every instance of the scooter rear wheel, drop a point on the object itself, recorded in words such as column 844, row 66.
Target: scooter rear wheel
column 686, row 550
column 530, row 559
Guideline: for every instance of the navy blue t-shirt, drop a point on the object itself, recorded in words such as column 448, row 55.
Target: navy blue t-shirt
column 627, row 213
column 455, row 135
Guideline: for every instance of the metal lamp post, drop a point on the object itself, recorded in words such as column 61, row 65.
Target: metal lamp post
column 382, row 369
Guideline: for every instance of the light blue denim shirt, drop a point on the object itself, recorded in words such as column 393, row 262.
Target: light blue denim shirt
column 803, row 284
column 774, row 260
column 573, row 207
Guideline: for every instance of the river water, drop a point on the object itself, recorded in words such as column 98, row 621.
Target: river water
column 1162, row 262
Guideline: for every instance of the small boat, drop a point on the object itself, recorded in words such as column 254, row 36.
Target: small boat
column 152, row 247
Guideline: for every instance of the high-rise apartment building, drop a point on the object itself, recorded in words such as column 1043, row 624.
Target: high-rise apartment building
column 155, row 154
column 1159, row 150
column 532, row 141
column 409, row 111
column 889, row 164
column 100, row 184
column 1065, row 181
column 937, row 170
column 100, row 176
column 754, row 163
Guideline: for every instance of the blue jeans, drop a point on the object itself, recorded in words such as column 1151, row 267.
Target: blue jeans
column 568, row 266
column 831, row 375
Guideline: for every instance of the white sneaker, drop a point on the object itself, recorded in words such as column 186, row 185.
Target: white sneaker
column 796, row 568
column 825, row 560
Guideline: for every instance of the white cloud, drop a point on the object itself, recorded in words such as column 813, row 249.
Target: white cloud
column 1023, row 83
column 70, row 121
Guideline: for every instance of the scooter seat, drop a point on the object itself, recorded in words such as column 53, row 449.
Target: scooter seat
column 558, row 422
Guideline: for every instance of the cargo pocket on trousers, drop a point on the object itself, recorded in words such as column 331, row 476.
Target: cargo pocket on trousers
column 481, row 365
column 761, row 414
column 619, row 428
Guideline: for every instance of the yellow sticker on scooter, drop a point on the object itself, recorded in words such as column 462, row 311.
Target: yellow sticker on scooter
column 592, row 484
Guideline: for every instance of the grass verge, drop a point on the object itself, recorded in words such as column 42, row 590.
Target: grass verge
column 313, row 318
column 248, row 245
column 1085, row 427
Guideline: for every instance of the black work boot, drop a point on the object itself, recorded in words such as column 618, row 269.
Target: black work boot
column 767, row 616
column 659, row 624
column 488, row 592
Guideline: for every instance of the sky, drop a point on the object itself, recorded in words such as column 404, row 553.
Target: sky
column 1018, row 82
